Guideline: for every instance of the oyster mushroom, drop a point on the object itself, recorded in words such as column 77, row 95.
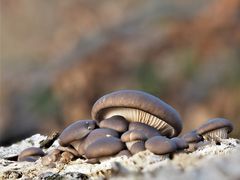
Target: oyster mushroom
column 76, row 131
column 161, row 146
column 135, row 140
column 192, row 138
column 124, row 152
column 31, row 154
column 147, row 130
column 138, row 106
column 104, row 147
column 80, row 145
column 99, row 133
column 117, row 123
column 180, row 143
column 215, row 129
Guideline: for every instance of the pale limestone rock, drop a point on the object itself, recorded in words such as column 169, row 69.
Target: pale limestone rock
column 208, row 162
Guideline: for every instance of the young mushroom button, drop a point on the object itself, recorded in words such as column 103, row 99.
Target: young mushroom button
column 160, row 145
column 76, row 131
column 146, row 129
column 134, row 140
column 215, row 129
column 103, row 147
column 138, row 106
column 99, row 133
column 180, row 143
column 117, row 123
column 81, row 145
column 30, row 154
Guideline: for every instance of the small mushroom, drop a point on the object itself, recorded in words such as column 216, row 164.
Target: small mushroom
column 160, row 145
column 104, row 147
column 180, row 143
column 124, row 152
column 138, row 106
column 30, row 154
column 99, row 133
column 215, row 129
column 76, row 131
column 117, row 123
column 146, row 129
column 192, row 138
column 134, row 140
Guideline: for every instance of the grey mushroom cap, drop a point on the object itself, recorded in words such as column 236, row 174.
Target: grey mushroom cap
column 137, row 147
column 214, row 124
column 149, row 131
column 30, row 158
column 30, row 152
column 192, row 137
column 99, row 133
column 133, row 135
column 76, row 131
column 106, row 146
column 160, row 145
column 180, row 143
column 117, row 123
column 139, row 106
column 124, row 152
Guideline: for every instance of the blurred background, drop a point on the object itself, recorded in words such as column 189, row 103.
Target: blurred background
column 58, row 57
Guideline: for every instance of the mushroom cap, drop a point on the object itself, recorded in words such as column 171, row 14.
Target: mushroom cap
column 133, row 135
column 106, row 146
column 214, row 124
column 30, row 158
column 180, row 143
column 117, row 123
column 124, row 152
column 76, row 131
column 99, row 133
column 192, row 137
column 137, row 147
column 160, row 145
column 31, row 151
column 148, row 131
column 144, row 108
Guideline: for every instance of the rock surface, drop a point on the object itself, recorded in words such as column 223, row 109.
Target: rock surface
column 208, row 162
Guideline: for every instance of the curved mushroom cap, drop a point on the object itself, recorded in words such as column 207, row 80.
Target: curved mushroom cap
column 30, row 152
column 138, row 106
column 192, row 137
column 137, row 147
column 117, row 123
column 215, row 124
column 180, row 143
column 124, row 152
column 76, row 131
column 99, row 133
column 133, row 135
column 160, row 145
column 146, row 129
column 106, row 146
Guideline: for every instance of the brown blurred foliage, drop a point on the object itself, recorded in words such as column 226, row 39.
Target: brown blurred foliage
column 59, row 57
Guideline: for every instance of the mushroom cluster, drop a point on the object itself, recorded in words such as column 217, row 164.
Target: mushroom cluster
column 126, row 122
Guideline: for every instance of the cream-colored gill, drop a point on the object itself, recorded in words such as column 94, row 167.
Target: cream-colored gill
column 136, row 115
column 216, row 134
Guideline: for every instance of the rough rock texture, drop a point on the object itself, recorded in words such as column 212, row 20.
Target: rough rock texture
column 208, row 162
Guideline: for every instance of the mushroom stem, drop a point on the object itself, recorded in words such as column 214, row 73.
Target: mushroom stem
column 137, row 115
